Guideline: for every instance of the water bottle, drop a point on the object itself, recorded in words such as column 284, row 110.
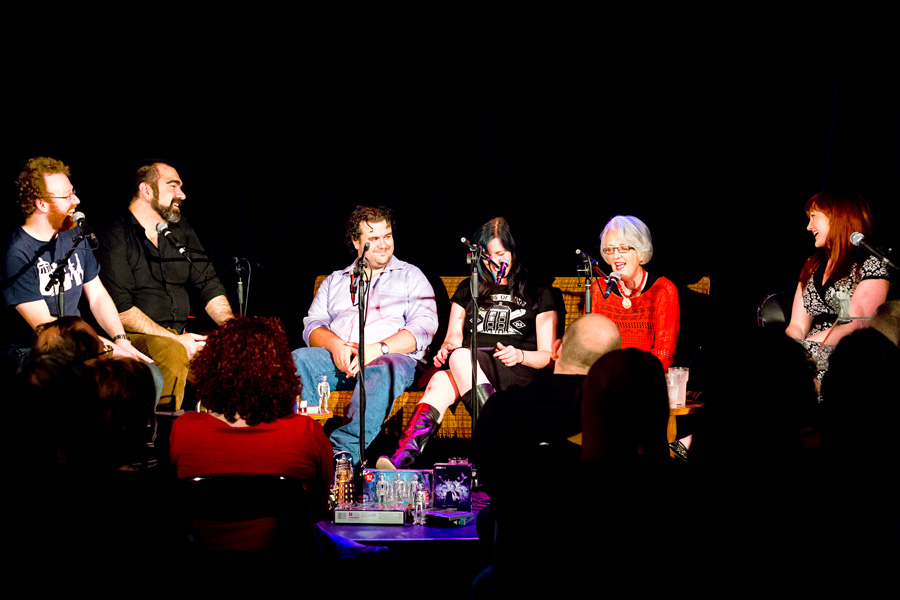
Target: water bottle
column 324, row 391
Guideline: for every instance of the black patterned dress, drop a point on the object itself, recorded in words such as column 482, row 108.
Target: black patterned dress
column 822, row 301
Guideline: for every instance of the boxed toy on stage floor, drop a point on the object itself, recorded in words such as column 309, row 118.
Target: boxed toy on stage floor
column 453, row 485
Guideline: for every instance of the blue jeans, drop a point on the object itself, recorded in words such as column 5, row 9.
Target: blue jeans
column 387, row 377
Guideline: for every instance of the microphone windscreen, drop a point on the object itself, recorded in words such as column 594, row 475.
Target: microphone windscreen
column 161, row 227
column 78, row 217
column 855, row 238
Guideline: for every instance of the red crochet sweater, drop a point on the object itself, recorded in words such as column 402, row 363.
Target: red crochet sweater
column 652, row 322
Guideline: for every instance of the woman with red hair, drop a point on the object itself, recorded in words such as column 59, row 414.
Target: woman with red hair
column 840, row 285
column 245, row 377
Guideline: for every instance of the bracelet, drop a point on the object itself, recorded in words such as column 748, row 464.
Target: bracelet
column 121, row 336
column 523, row 356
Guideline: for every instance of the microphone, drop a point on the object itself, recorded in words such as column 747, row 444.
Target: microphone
column 501, row 271
column 858, row 239
column 86, row 232
column 355, row 273
column 163, row 229
column 473, row 247
column 614, row 276
column 361, row 261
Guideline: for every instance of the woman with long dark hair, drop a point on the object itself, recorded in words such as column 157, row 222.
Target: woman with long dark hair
column 840, row 280
column 516, row 329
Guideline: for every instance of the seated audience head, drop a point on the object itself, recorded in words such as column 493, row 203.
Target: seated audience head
column 859, row 394
column 625, row 409
column 887, row 320
column 71, row 337
column 100, row 412
column 587, row 339
column 246, row 371
column 124, row 420
column 63, row 391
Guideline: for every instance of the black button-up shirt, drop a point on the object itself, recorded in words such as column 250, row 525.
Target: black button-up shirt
column 156, row 279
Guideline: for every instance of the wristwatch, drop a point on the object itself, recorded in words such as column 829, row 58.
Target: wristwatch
column 384, row 349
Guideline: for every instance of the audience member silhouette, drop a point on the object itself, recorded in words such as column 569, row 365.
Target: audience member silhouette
column 603, row 518
column 91, row 505
column 887, row 320
column 750, row 485
column 860, row 511
column 74, row 340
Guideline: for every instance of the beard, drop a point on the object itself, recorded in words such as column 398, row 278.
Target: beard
column 171, row 213
column 59, row 220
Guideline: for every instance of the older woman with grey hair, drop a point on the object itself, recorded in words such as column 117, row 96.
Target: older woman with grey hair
column 643, row 306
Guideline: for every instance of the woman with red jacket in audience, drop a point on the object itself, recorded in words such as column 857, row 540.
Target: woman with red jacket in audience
column 245, row 377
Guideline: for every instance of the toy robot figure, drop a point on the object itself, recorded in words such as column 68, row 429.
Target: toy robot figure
column 421, row 502
column 382, row 489
column 401, row 489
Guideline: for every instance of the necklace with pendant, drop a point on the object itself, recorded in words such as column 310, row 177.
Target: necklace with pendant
column 626, row 301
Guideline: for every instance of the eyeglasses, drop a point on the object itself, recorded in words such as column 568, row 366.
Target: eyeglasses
column 68, row 196
column 613, row 249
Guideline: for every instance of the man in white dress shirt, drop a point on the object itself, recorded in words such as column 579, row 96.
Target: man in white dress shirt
column 401, row 321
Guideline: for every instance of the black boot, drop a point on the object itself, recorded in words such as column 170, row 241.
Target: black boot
column 483, row 391
column 424, row 424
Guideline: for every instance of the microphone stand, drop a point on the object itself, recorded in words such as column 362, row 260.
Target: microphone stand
column 474, row 259
column 361, row 356
column 242, row 301
column 585, row 271
column 588, row 270
column 240, row 287
column 58, row 277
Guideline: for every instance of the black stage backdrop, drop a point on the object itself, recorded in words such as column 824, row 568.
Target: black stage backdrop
column 712, row 128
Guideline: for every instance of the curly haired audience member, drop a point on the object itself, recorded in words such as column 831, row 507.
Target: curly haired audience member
column 246, row 379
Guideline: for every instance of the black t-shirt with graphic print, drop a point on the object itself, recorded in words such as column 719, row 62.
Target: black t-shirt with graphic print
column 503, row 317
